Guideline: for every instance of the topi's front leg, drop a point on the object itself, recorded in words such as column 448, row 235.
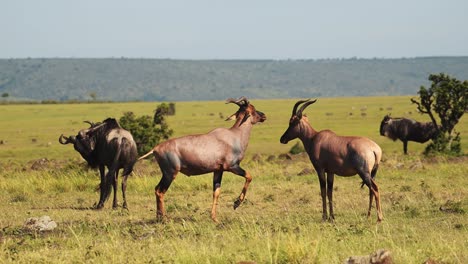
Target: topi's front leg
column 248, row 178
column 217, row 178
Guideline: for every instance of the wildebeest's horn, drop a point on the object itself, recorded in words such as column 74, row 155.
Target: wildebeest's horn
column 240, row 102
column 299, row 112
column 68, row 140
column 89, row 122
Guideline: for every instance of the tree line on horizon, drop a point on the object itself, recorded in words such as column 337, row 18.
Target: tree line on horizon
column 124, row 79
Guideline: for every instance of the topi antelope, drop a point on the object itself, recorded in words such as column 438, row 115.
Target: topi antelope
column 333, row 154
column 220, row 150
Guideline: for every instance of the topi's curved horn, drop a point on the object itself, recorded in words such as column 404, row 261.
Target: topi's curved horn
column 242, row 101
column 297, row 104
column 299, row 112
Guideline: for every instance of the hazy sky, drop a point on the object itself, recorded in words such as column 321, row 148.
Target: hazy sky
column 239, row 29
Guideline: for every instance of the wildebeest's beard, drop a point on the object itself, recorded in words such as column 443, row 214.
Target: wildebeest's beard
column 85, row 146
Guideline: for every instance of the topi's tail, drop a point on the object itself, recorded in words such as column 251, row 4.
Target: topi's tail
column 146, row 155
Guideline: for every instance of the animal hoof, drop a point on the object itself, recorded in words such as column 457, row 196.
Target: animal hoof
column 237, row 202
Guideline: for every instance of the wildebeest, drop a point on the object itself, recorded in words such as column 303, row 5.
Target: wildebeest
column 106, row 144
column 333, row 154
column 406, row 129
column 218, row 151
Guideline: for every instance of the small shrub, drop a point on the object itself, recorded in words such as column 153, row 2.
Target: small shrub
column 297, row 148
column 145, row 131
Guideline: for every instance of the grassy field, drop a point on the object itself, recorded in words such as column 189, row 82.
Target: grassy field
column 424, row 200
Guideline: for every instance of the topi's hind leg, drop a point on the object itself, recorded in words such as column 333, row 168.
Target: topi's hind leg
column 323, row 193
column 330, row 179
column 375, row 190
column 371, row 197
column 159, row 192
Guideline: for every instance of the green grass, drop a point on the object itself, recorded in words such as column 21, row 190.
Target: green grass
column 20, row 124
column 424, row 200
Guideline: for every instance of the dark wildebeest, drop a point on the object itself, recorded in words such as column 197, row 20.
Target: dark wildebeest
column 406, row 130
column 108, row 145
column 218, row 151
column 333, row 154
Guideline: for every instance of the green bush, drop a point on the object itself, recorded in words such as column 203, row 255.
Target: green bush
column 297, row 148
column 145, row 131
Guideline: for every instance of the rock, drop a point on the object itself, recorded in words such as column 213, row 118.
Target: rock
column 381, row 256
column 285, row 156
column 43, row 223
column 417, row 165
column 306, row 171
column 431, row 261
column 257, row 157
column 40, row 164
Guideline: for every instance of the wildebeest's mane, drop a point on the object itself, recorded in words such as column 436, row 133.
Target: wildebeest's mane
column 103, row 128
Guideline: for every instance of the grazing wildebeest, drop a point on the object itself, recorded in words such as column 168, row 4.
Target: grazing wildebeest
column 218, row 151
column 406, row 129
column 333, row 154
column 108, row 145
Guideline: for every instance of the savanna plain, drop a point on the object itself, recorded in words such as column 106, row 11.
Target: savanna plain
column 424, row 199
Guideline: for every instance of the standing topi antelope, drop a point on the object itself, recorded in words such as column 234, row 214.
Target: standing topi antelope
column 220, row 150
column 406, row 129
column 333, row 154
column 108, row 145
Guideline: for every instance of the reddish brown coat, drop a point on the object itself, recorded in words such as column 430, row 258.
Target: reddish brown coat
column 219, row 150
column 333, row 154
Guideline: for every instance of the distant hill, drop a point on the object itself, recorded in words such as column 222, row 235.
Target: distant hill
column 123, row 79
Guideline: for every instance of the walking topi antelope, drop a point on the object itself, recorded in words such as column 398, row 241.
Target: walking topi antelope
column 218, row 151
column 333, row 154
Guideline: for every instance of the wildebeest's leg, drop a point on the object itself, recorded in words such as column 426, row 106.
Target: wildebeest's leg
column 323, row 193
column 102, row 187
column 217, row 178
column 330, row 178
column 241, row 172
column 113, row 174
column 405, row 146
column 125, row 175
column 114, row 185
column 108, row 183
column 159, row 192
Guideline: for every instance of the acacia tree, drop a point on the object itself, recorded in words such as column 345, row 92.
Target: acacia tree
column 448, row 98
column 146, row 131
